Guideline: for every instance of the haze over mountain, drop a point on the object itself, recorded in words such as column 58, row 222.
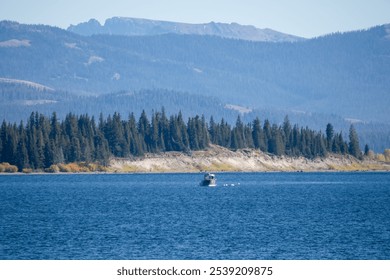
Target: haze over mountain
column 143, row 27
column 342, row 76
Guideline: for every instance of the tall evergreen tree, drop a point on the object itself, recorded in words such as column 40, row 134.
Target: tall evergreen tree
column 296, row 141
column 10, row 141
column 192, row 134
column 22, row 160
column 213, row 131
column 286, row 135
column 275, row 143
column 205, row 138
column 165, row 137
column 144, row 131
column 354, row 147
column 366, row 150
column 102, row 153
column 238, row 136
column 256, row 132
column 224, row 134
column 248, row 137
column 155, row 133
column 267, row 134
column 56, row 139
column 135, row 140
column 329, row 136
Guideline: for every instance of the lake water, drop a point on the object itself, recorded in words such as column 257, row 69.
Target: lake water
column 168, row 216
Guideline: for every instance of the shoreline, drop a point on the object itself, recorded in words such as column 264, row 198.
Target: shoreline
column 184, row 172
column 218, row 159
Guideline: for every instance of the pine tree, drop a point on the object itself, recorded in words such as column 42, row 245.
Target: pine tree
column 22, row 160
column 183, row 132
column 224, row 134
column 178, row 132
column 305, row 143
column 56, row 139
column 102, row 153
column 366, row 150
column 155, row 133
column 286, row 135
column 48, row 154
column 144, row 131
column 256, row 133
column 165, row 136
column 75, row 150
column 35, row 143
column 275, row 143
column 10, row 143
column 248, row 136
column 342, row 145
column 238, row 136
column 296, row 141
column 320, row 146
column 213, row 131
column 353, row 147
column 204, row 140
column 329, row 136
column 267, row 134
column 134, row 139
column 8, row 139
column 192, row 134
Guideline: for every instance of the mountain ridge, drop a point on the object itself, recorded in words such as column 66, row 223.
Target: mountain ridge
column 141, row 27
column 341, row 74
column 337, row 73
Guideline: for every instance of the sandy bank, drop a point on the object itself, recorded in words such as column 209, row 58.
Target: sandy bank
column 220, row 159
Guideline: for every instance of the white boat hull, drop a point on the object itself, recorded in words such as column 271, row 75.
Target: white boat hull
column 209, row 181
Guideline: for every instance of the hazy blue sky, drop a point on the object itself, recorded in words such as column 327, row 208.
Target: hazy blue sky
column 305, row 18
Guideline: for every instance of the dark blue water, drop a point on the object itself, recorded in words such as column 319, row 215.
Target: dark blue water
column 167, row 216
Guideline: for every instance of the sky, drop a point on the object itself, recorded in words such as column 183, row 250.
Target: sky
column 305, row 18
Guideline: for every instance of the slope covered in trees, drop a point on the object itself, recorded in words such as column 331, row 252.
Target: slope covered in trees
column 44, row 141
column 344, row 74
column 24, row 99
column 339, row 78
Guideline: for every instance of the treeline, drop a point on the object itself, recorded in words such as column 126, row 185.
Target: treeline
column 45, row 141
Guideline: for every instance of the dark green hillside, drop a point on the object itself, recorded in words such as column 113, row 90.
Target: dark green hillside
column 327, row 79
column 46, row 141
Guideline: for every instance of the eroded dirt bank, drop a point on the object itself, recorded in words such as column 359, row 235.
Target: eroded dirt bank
column 220, row 159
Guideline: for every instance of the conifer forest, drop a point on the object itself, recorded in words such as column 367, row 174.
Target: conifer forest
column 45, row 141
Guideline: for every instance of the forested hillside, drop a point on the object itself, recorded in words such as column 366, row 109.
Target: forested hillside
column 340, row 78
column 23, row 99
column 43, row 142
column 344, row 74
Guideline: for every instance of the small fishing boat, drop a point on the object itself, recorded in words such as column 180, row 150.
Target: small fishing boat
column 209, row 180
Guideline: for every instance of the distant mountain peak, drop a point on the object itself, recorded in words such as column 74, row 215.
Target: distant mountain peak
column 141, row 27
